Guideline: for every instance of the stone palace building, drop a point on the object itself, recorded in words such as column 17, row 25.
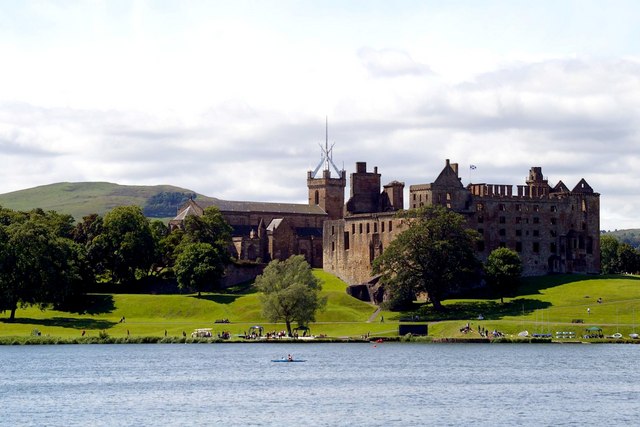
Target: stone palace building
column 552, row 228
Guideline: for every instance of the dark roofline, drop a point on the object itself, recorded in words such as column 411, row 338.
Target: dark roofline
column 264, row 207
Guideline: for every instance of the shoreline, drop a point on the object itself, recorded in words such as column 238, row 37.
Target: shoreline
column 49, row 340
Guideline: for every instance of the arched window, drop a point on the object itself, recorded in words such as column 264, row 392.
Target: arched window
column 317, row 197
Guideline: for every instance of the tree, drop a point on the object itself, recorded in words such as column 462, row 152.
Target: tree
column 37, row 266
column 207, row 239
column 290, row 292
column 87, row 234
column 198, row 267
column 609, row 254
column 434, row 254
column 628, row 259
column 503, row 268
column 126, row 243
column 210, row 228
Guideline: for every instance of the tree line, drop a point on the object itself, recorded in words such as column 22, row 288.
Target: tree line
column 46, row 259
column 618, row 257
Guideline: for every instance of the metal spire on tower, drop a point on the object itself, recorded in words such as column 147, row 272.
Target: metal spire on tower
column 326, row 154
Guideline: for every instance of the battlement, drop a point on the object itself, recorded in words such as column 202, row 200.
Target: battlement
column 505, row 190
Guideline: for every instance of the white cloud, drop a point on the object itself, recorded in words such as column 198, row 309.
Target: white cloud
column 229, row 99
column 390, row 63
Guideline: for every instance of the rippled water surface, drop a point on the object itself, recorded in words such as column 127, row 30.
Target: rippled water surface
column 339, row 384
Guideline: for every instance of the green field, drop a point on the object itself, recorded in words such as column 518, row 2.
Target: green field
column 543, row 305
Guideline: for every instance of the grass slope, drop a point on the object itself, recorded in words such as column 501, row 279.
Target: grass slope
column 153, row 314
column 542, row 305
column 84, row 198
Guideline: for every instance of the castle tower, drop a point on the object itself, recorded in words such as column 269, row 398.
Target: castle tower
column 365, row 190
column 393, row 196
column 538, row 186
column 326, row 191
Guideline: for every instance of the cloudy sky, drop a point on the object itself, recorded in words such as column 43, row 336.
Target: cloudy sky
column 229, row 99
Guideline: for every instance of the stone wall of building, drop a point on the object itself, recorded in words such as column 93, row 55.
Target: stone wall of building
column 365, row 191
column 553, row 229
column 235, row 274
column 327, row 192
column 350, row 245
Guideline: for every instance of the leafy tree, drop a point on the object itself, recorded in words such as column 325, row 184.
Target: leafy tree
column 503, row 268
column 87, row 230
column 165, row 203
column 609, row 254
column 628, row 258
column 126, row 243
column 169, row 247
column 87, row 234
column 37, row 266
column 434, row 254
column 210, row 228
column 290, row 292
column 60, row 224
column 199, row 267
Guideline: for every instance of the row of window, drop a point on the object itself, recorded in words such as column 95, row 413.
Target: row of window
column 366, row 227
column 534, row 233
column 553, row 248
column 418, row 197
column 518, row 220
column 535, row 208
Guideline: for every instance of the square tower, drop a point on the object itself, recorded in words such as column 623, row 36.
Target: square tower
column 327, row 192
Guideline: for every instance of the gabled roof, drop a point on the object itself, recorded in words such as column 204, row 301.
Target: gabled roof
column 560, row 188
column 582, row 187
column 185, row 213
column 274, row 224
column 448, row 177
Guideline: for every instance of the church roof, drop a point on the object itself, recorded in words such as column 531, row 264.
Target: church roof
column 185, row 213
column 284, row 208
column 274, row 224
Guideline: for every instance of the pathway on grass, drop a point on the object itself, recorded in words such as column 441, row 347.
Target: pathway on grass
column 374, row 315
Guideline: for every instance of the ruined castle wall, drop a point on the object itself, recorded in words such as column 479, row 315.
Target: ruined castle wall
column 365, row 190
column 551, row 232
column 350, row 245
column 458, row 199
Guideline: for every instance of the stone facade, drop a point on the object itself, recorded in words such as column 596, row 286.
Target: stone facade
column 553, row 229
column 351, row 244
column 263, row 231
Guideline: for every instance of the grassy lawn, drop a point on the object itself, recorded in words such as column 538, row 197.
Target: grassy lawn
column 542, row 305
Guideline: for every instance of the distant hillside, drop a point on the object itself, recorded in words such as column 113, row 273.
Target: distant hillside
column 631, row 236
column 83, row 198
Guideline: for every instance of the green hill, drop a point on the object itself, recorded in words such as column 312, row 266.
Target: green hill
column 83, row 198
column 631, row 236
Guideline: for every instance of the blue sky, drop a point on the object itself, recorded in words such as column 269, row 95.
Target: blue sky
column 229, row 99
